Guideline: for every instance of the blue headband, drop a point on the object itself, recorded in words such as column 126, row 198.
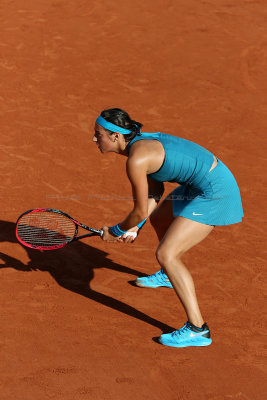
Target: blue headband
column 111, row 127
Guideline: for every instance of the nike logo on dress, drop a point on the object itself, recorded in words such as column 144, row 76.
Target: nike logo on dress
column 196, row 213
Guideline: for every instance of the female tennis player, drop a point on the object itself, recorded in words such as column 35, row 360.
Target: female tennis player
column 208, row 196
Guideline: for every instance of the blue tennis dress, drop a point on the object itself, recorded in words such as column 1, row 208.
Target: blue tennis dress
column 211, row 198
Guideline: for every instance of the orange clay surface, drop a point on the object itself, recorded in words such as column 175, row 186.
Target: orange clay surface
column 72, row 326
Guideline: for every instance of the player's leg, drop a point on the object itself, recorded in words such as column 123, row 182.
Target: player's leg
column 161, row 218
column 182, row 235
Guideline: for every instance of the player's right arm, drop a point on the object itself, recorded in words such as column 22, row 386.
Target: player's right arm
column 146, row 191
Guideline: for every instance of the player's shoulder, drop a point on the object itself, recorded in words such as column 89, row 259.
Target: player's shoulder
column 143, row 147
column 137, row 155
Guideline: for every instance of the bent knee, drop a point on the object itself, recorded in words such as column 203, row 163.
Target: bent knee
column 165, row 256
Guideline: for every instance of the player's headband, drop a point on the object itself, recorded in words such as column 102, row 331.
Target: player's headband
column 111, row 127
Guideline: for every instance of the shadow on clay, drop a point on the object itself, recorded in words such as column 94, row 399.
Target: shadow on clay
column 73, row 267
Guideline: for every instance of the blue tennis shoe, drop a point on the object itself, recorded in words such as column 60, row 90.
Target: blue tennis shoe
column 188, row 335
column 158, row 279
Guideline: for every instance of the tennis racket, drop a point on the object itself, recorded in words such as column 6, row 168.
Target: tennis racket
column 49, row 229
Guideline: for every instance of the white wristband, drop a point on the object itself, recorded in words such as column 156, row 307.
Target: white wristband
column 133, row 234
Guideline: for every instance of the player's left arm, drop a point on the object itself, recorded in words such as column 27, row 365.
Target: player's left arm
column 146, row 192
column 137, row 173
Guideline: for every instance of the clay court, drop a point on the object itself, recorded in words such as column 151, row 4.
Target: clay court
column 72, row 325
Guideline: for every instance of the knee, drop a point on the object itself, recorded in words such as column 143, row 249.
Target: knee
column 165, row 256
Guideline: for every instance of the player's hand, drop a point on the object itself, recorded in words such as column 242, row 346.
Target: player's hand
column 127, row 237
column 108, row 235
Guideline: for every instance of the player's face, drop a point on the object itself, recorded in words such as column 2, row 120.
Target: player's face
column 103, row 139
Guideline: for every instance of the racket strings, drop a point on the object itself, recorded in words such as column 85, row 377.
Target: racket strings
column 46, row 229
